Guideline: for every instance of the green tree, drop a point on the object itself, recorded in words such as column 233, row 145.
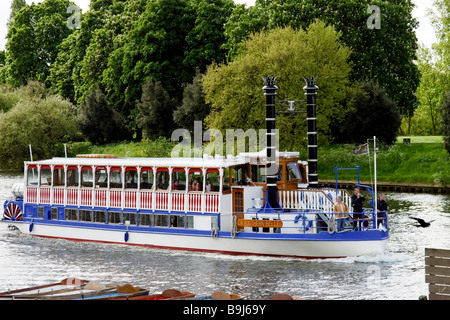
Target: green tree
column 205, row 40
column 446, row 121
column 66, row 74
column 33, row 38
column 385, row 56
column 374, row 115
column 235, row 93
column 193, row 106
column 431, row 93
column 154, row 49
column 41, row 122
column 99, row 122
column 155, row 111
column 16, row 5
column 61, row 71
column 117, row 20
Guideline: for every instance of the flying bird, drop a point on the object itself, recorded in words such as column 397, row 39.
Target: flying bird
column 422, row 222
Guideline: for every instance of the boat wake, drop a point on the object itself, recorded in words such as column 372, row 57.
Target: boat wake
column 385, row 257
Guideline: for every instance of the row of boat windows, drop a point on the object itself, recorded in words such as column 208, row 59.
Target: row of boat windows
column 161, row 179
column 123, row 218
column 147, row 179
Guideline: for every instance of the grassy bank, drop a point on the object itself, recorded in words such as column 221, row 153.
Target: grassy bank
column 424, row 161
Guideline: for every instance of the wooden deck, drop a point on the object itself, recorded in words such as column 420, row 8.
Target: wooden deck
column 437, row 273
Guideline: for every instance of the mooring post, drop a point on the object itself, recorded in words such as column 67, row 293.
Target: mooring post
column 270, row 91
column 311, row 93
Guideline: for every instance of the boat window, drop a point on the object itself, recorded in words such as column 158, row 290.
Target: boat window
column 54, row 213
column 86, row 177
column 293, row 171
column 146, row 179
column 129, row 218
column 195, row 180
column 226, row 179
column 85, row 215
column 101, row 177
column 162, row 179
column 145, row 219
column 161, row 220
column 115, row 178
column 177, row 221
column 258, row 173
column 58, row 177
column 32, row 176
column 214, row 222
column 212, row 181
column 46, row 177
column 72, row 177
column 114, row 217
column 239, row 175
column 100, row 216
column 41, row 212
column 178, row 179
column 190, row 222
column 280, row 173
column 71, row 214
column 131, row 178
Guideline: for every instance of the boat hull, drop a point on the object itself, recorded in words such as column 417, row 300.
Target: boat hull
column 323, row 245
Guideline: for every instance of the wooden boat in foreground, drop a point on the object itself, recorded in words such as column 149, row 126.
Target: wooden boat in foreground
column 169, row 294
column 65, row 288
column 74, row 289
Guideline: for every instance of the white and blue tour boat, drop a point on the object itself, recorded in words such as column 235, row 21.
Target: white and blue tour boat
column 230, row 205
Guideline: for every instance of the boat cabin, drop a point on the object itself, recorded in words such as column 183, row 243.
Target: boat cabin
column 104, row 188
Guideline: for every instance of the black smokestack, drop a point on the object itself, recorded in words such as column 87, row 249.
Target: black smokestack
column 311, row 93
column 270, row 91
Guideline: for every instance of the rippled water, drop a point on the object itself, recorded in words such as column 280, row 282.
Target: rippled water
column 396, row 274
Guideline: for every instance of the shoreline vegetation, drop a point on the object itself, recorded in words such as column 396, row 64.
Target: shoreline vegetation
column 423, row 161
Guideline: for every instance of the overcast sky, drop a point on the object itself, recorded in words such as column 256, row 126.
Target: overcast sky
column 425, row 32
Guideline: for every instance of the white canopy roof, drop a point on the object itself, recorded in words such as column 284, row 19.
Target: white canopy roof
column 205, row 162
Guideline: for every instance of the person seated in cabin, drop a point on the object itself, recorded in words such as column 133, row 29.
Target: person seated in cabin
column 195, row 185
column 209, row 187
column 341, row 213
column 175, row 185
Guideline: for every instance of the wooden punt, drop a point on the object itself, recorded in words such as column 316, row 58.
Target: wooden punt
column 65, row 286
column 169, row 294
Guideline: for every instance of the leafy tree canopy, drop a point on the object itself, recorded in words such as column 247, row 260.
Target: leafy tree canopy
column 385, row 56
column 33, row 37
column 235, row 93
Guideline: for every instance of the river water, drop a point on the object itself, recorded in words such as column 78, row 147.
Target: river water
column 397, row 274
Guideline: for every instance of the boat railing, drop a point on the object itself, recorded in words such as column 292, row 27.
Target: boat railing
column 181, row 201
column 305, row 199
column 314, row 221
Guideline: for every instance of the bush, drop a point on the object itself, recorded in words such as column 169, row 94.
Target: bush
column 43, row 123
column 374, row 115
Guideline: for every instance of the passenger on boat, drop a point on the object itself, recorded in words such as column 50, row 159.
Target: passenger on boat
column 175, row 185
column 382, row 206
column 357, row 204
column 341, row 210
column 209, row 187
column 195, row 185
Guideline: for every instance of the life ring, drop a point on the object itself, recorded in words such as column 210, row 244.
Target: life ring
column 306, row 224
column 13, row 213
